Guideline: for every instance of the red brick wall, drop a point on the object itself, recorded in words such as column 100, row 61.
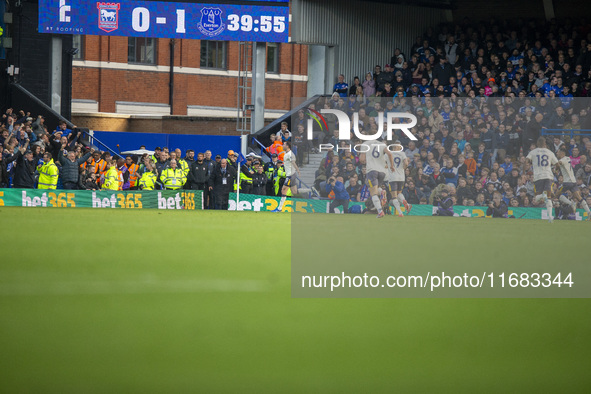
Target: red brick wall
column 108, row 86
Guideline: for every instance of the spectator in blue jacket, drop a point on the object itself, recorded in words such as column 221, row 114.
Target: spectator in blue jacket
column 341, row 197
column 63, row 127
column 341, row 87
column 449, row 172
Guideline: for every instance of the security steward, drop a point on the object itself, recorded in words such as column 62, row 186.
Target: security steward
column 246, row 174
column 280, row 178
column 148, row 179
column 111, row 176
column 173, row 178
column 132, row 170
column 48, row 173
column 270, row 170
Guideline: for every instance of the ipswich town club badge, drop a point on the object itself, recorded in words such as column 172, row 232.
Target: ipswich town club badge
column 108, row 16
column 211, row 23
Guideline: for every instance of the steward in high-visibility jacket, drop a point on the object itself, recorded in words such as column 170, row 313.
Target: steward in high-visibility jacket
column 99, row 164
column 132, row 170
column 184, row 166
column 48, row 173
column 270, row 170
column 173, row 178
column 111, row 181
column 246, row 174
column 281, row 175
column 148, row 180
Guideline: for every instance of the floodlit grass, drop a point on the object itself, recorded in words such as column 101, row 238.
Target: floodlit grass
column 97, row 301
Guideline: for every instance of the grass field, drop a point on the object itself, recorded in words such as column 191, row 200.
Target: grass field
column 123, row 301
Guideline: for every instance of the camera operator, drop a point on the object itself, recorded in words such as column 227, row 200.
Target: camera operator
column 445, row 204
column 497, row 208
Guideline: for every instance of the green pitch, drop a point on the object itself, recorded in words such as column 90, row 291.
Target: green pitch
column 105, row 301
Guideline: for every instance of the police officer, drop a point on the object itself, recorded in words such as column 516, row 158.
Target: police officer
column 246, row 174
column 270, row 170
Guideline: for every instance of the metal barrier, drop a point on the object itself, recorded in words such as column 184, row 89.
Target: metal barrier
column 264, row 152
column 569, row 132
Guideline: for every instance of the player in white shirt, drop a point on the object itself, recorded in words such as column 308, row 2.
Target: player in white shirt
column 569, row 182
column 289, row 163
column 377, row 159
column 542, row 160
column 396, row 179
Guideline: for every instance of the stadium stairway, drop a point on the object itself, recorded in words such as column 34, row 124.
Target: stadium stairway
column 308, row 171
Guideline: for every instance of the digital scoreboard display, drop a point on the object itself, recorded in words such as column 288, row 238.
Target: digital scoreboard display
column 224, row 22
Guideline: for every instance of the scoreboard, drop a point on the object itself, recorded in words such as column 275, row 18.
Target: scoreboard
column 260, row 21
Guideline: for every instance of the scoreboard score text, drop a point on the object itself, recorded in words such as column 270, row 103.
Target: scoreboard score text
column 224, row 22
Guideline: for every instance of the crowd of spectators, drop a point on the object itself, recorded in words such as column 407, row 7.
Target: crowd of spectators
column 482, row 96
column 31, row 156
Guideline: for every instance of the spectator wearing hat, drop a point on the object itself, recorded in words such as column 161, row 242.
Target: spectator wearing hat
column 232, row 160
column 246, row 174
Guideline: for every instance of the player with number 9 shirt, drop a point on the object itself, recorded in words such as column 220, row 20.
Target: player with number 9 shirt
column 396, row 180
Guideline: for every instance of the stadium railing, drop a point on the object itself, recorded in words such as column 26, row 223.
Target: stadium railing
column 264, row 154
column 570, row 132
